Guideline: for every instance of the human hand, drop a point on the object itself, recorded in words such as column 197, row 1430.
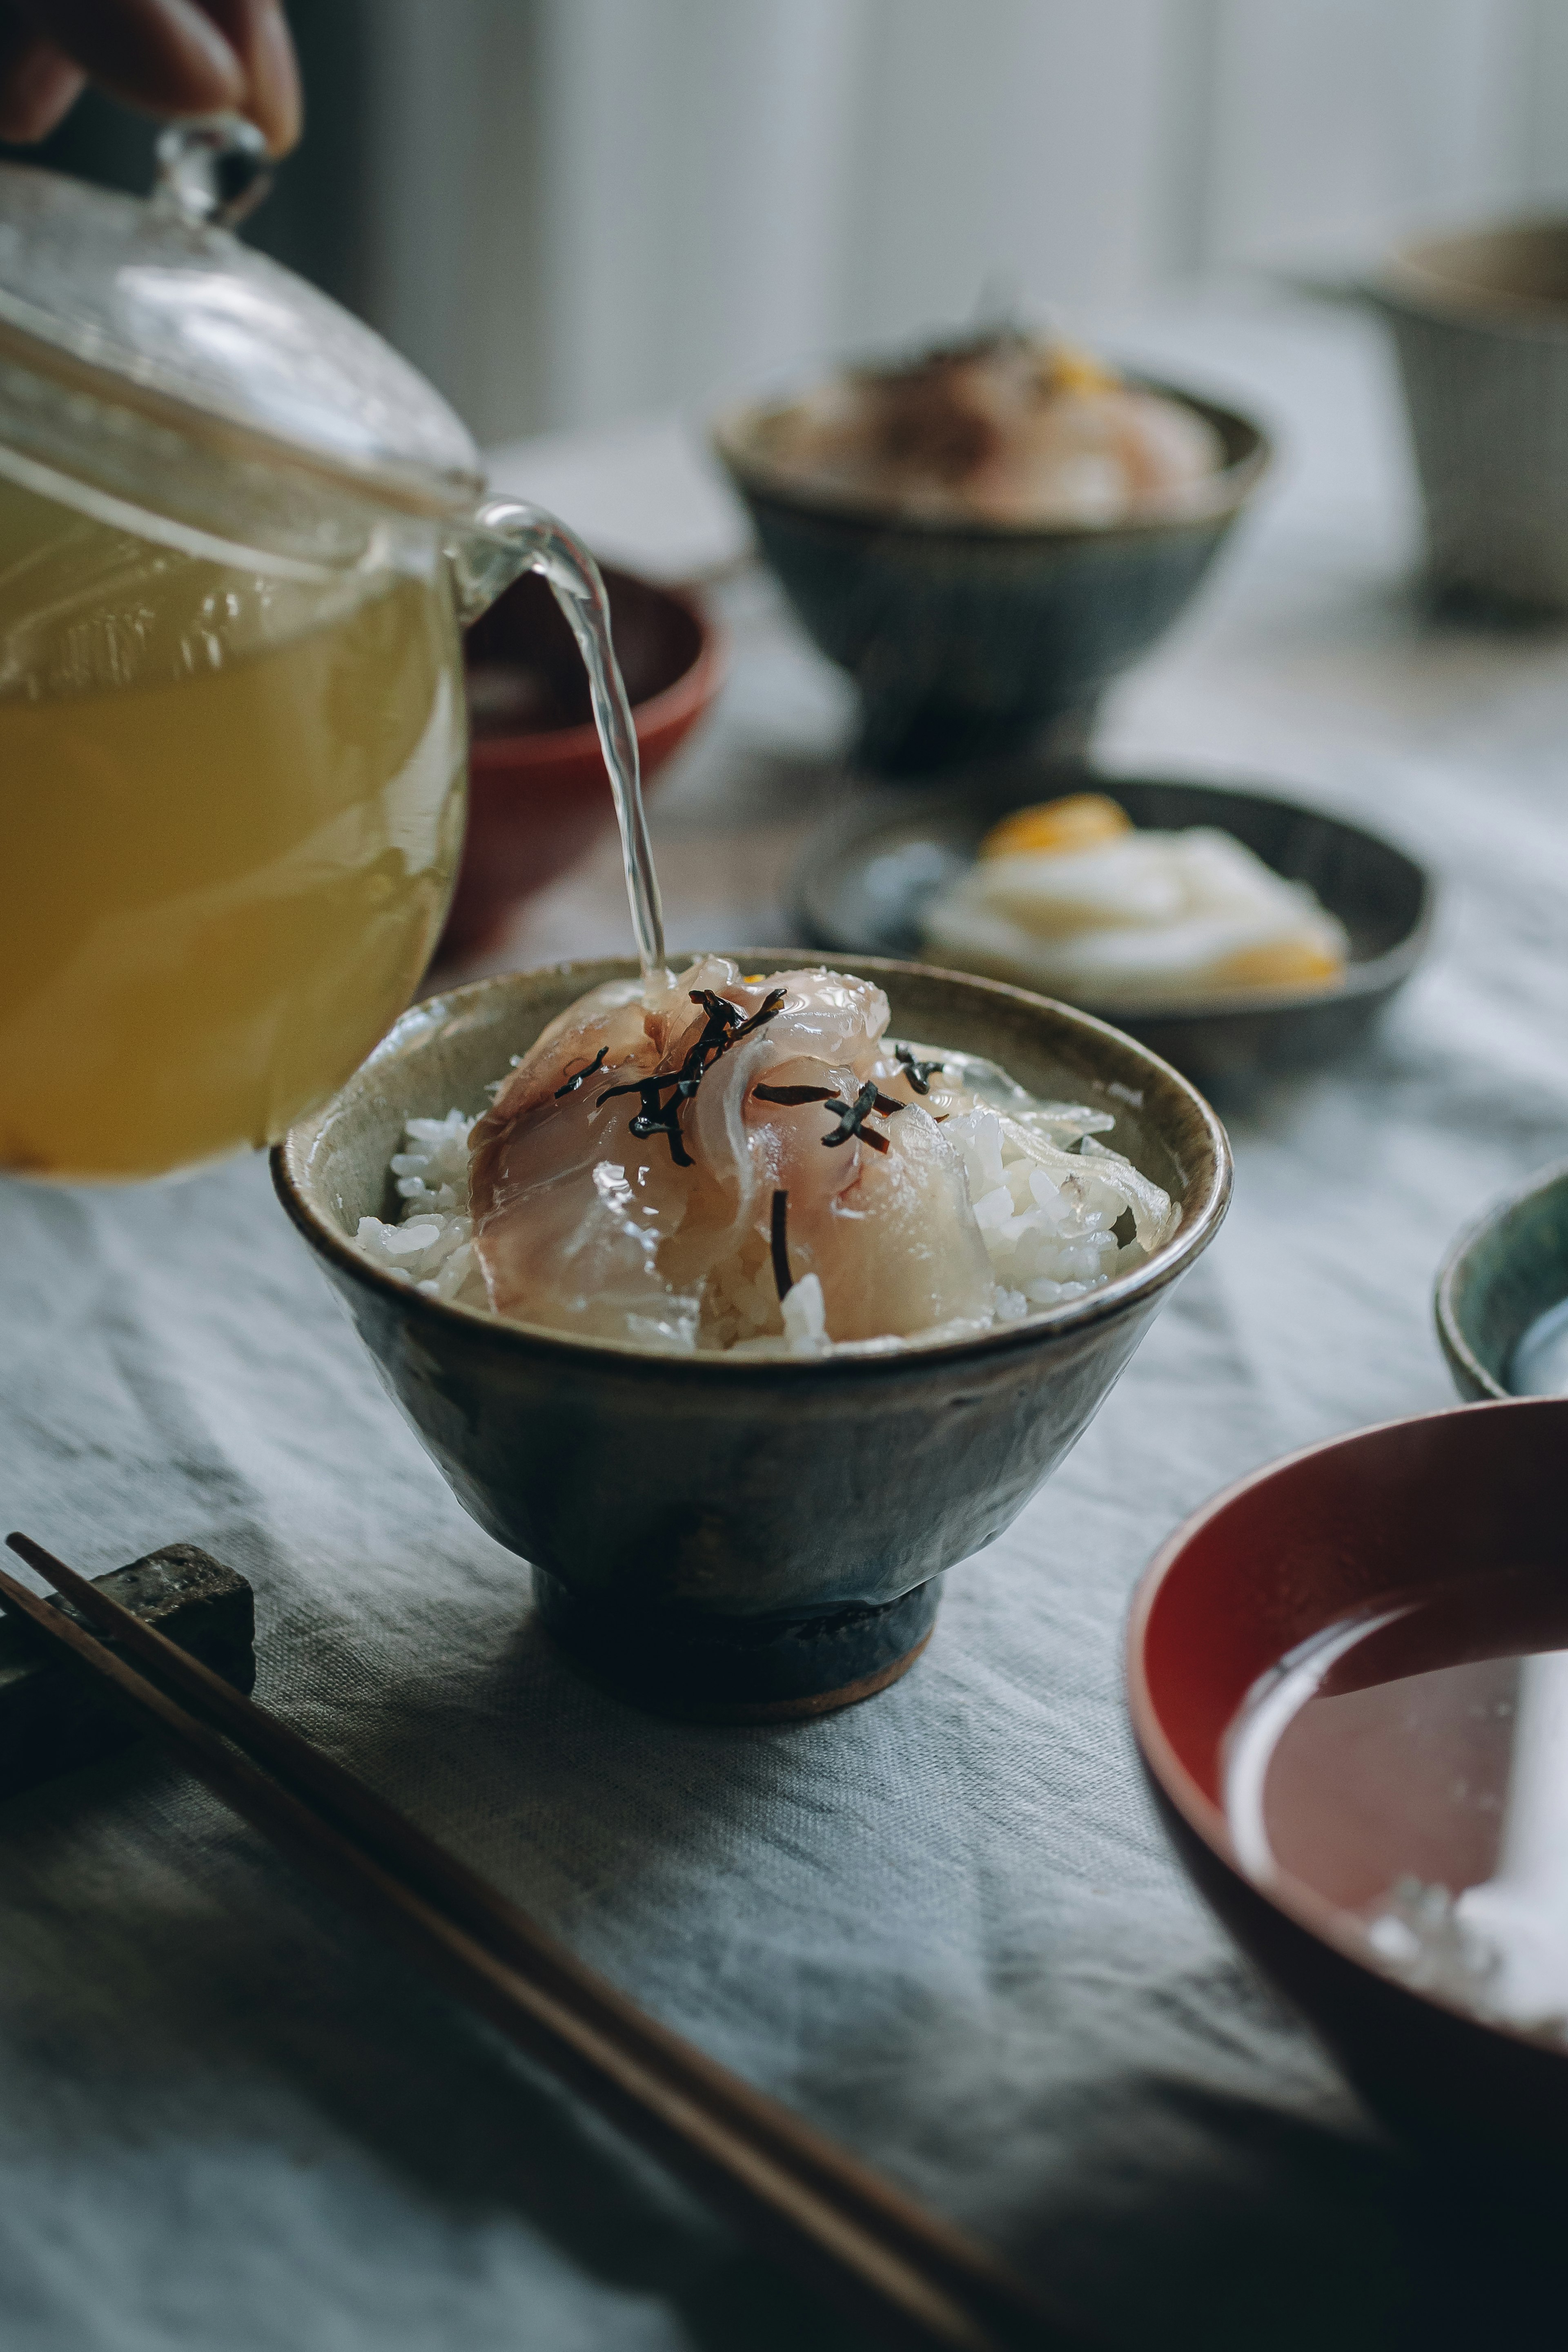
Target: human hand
column 170, row 56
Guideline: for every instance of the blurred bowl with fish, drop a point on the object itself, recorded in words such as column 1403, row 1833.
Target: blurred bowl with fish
column 1503, row 1295
column 985, row 535
column 1348, row 1679
column 1234, row 932
column 538, row 795
column 745, row 1302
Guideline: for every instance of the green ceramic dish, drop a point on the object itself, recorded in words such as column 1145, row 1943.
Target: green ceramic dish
column 1498, row 1281
column 744, row 1539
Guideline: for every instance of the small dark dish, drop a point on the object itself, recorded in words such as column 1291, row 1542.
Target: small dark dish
column 864, row 878
column 1385, row 1514
column 971, row 642
column 744, row 1539
column 1499, row 1279
column 537, row 790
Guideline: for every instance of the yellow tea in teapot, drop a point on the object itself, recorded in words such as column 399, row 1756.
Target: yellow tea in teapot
column 231, row 807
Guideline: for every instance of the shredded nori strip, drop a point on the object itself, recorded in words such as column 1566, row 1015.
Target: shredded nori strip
column 653, row 1120
column 587, row 1071
column 779, row 1245
column 656, row 1117
column 870, row 1099
column 772, row 1003
column 851, row 1116
column 723, row 1028
column 917, row 1073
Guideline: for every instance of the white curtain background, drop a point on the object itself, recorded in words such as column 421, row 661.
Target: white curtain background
column 585, row 210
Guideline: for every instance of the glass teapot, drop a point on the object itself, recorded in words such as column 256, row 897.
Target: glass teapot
column 238, row 537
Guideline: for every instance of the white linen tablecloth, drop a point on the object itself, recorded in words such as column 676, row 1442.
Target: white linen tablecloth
column 944, row 1925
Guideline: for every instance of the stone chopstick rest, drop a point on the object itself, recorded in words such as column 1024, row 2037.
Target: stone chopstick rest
column 52, row 1720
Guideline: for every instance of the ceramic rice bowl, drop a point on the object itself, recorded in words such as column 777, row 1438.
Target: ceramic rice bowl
column 1480, row 326
column 973, row 641
column 744, row 1539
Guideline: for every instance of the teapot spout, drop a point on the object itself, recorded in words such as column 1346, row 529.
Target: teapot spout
column 502, row 540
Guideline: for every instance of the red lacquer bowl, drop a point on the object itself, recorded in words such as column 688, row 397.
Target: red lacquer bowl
column 537, row 790
column 1267, row 1565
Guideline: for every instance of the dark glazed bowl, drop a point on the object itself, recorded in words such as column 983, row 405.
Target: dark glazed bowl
column 971, row 642
column 1481, row 325
column 538, row 791
column 1264, row 1567
column 757, row 1539
column 863, row 880
column 1499, row 1277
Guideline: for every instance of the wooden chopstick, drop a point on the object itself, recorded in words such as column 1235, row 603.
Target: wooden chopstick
column 514, row 1936
column 902, row 2270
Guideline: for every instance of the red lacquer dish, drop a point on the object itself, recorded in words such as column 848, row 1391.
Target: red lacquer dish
column 1348, row 1679
column 538, row 795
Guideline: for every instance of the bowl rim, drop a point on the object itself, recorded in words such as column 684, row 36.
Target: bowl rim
column 1291, row 1897
column 1408, row 279
column 289, row 1161
column 1369, row 977
column 1222, row 494
column 1462, row 1356
column 543, row 747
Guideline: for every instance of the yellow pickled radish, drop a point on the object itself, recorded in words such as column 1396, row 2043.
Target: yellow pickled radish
column 1279, row 963
column 1072, row 370
column 1057, row 828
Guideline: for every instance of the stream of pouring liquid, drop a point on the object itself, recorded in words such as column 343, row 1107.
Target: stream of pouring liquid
column 574, row 579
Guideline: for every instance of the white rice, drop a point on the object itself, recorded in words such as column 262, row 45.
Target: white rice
column 431, row 1246
column 1055, row 1224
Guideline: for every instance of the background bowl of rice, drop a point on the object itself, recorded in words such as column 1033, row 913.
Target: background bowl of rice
column 764, row 1536
column 971, row 639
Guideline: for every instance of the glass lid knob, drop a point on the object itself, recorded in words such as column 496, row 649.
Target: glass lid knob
column 212, row 169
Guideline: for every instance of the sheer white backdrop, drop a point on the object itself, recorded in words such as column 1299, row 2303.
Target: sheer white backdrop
column 588, row 208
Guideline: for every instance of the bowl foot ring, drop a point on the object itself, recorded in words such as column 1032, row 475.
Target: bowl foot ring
column 705, row 1668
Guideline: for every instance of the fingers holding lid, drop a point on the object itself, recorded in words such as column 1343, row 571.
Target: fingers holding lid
column 170, row 56
column 38, row 83
column 258, row 32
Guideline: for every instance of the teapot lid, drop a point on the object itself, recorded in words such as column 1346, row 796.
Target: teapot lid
column 154, row 306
